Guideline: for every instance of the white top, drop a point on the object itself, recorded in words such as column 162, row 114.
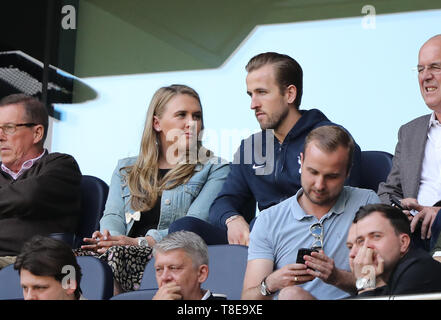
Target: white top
column 430, row 185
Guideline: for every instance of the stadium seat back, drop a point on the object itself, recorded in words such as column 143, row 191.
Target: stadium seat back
column 227, row 265
column 376, row 166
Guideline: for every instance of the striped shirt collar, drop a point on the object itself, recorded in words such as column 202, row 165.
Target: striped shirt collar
column 25, row 166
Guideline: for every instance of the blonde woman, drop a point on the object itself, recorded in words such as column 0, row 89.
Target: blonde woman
column 173, row 176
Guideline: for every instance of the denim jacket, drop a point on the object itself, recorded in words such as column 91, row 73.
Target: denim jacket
column 193, row 198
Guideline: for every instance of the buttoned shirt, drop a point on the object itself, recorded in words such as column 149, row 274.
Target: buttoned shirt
column 430, row 185
column 280, row 231
column 25, row 166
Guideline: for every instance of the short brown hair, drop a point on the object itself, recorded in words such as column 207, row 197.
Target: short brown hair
column 329, row 138
column 288, row 71
column 35, row 111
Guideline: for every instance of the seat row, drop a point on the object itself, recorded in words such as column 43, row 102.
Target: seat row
column 227, row 264
column 375, row 166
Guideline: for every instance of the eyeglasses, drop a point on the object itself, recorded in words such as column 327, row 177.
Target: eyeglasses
column 434, row 68
column 316, row 230
column 11, row 128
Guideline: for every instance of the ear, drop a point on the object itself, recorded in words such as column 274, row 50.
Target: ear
column 404, row 243
column 202, row 273
column 71, row 286
column 156, row 124
column 291, row 93
column 38, row 133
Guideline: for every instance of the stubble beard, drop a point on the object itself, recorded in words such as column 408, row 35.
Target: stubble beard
column 274, row 121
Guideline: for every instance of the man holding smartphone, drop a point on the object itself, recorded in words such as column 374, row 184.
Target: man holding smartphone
column 381, row 258
column 318, row 215
column 415, row 178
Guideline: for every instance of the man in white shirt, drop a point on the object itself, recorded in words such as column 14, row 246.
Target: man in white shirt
column 415, row 178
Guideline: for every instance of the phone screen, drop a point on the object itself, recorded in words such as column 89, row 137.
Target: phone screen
column 304, row 252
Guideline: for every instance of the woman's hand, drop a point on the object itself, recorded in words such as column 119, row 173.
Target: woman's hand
column 92, row 243
column 111, row 241
column 100, row 242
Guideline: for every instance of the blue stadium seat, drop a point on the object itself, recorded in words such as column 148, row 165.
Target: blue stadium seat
column 94, row 193
column 97, row 281
column 227, row 265
column 96, row 284
column 10, row 288
column 375, row 167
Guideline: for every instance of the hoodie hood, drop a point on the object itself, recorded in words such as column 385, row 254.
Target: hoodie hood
column 309, row 120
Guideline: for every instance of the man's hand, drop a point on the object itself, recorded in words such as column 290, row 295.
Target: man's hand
column 169, row 291
column 322, row 267
column 406, row 203
column 368, row 260
column 289, row 275
column 427, row 215
column 238, row 231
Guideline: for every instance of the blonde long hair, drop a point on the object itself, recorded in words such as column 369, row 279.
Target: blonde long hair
column 142, row 177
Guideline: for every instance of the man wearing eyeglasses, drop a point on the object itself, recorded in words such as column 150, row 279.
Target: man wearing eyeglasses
column 415, row 177
column 39, row 192
column 317, row 216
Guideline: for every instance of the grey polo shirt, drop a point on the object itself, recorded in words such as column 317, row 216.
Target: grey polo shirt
column 281, row 230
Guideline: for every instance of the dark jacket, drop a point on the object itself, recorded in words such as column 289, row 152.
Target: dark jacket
column 269, row 176
column 44, row 199
column 416, row 273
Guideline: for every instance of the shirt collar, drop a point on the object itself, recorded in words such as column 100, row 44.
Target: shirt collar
column 433, row 121
column 206, row 295
column 25, row 166
column 338, row 208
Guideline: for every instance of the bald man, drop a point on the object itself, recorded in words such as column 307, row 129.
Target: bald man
column 416, row 172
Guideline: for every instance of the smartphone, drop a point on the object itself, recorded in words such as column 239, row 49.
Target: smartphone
column 304, row 252
column 396, row 202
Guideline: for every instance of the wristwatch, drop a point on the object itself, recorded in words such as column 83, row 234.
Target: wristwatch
column 264, row 289
column 364, row 283
column 142, row 241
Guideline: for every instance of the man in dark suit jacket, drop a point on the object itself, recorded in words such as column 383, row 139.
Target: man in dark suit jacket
column 39, row 191
column 384, row 250
column 415, row 176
